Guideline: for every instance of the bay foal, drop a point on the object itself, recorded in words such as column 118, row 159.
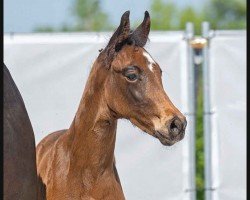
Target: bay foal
column 125, row 82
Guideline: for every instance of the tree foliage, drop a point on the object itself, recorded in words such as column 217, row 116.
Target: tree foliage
column 163, row 15
column 44, row 29
column 188, row 14
column 230, row 14
column 89, row 16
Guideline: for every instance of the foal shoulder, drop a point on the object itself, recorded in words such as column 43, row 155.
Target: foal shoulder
column 44, row 154
column 46, row 143
column 49, row 139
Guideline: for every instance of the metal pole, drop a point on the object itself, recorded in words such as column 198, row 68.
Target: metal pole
column 207, row 113
column 192, row 111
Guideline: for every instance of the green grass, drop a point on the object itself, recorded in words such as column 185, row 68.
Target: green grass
column 199, row 140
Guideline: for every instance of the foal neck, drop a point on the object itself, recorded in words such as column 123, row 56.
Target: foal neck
column 93, row 130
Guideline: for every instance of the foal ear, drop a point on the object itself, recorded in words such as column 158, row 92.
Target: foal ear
column 140, row 34
column 119, row 36
column 121, row 32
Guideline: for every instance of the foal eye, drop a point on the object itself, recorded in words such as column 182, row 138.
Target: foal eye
column 131, row 73
column 132, row 77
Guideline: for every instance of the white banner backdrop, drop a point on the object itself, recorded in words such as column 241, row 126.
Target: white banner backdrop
column 50, row 71
column 228, row 105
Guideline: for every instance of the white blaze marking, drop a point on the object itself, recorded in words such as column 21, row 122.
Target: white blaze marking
column 150, row 60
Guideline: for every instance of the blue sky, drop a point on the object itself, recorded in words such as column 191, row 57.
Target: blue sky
column 26, row 15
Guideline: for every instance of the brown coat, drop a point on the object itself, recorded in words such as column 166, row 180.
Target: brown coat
column 125, row 82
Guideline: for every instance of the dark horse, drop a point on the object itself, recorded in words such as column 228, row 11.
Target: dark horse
column 20, row 176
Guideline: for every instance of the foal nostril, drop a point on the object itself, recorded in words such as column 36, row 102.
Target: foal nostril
column 176, row 126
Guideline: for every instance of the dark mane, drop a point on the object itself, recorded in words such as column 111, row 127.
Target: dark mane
column 136, row 41
column 128, row 41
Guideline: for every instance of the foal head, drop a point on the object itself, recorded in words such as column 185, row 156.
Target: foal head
column 133, row 86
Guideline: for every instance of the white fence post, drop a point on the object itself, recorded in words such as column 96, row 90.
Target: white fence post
column 207, row 112
column 192, row 110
